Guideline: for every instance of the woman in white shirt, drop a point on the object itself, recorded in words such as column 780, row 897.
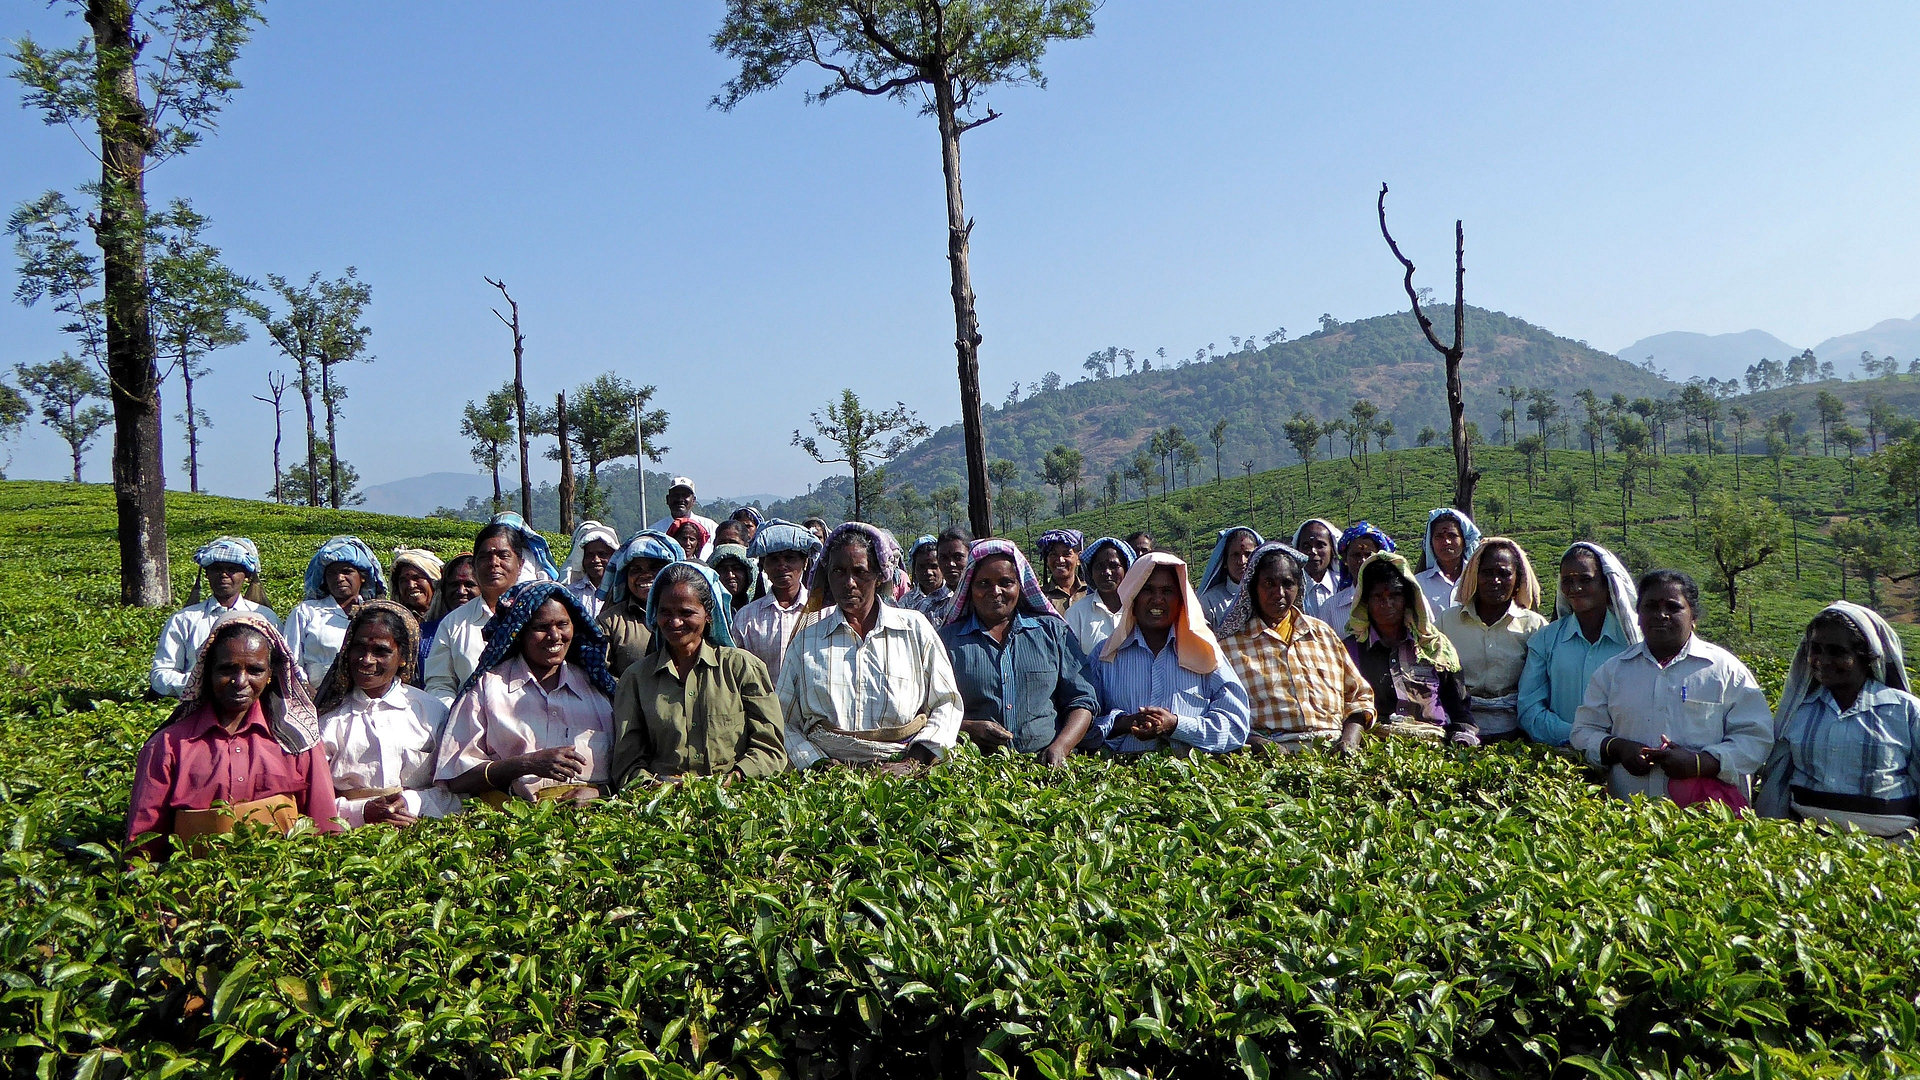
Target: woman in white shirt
column 1092, row 617
column 232, row 568
column 341, row 574
column 379, row 732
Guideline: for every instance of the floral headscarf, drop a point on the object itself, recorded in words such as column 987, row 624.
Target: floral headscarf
column 1194, row 645
column 1359, row 530
column 1623, row 594
column 883, row 548
column 354, row 552
column 1216, row 571
column 289, row 710
column 539, row 554
column 338, row 682
column 719, row 605
column 1033, row 599
column 645, row 544
column 1242, row 610
column 1526, row 585
column 1429, row 643
column 515, row 611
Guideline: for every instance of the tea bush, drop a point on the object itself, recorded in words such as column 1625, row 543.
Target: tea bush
column 1416, row 911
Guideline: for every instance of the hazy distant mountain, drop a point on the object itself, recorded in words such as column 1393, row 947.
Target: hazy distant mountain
column 1898, row 338
column 418, row 496
column 1684, row 355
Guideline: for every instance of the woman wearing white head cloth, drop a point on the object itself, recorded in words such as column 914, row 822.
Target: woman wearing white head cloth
column 1451, row 540
column 1316, row 538
column 1594, row 621
column 1847, row 733
column 593, row 548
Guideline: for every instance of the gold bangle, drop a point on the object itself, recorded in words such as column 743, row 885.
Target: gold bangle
column 1698, row 768
column 486, row 775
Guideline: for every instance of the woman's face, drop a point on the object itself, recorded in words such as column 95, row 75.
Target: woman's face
column 496, row 566
column 953, row 561
column 1448, row 546
column 1666, row 619
column 995, row 591
column 1317, row 544
column 412, row 587
column 1358, row 552
column 460, row 584
column 1063, row 563
column 928, row 577
column 1387, row 608
column 1583, row 583
column 1160, row 600
column 640, row 574
column 548, row 636
column 681, row 619
column 1106, row 570
column 784, row 569
column 733, row 574
column 1240, row 549
column 1276, row 588
column 241, row 667
column 1499, row 572
column 1834, row 663
column 226, row 581
column 593, row 560
column 344, row 581
column 373, row 658
column 689, row 537
column 853, row 579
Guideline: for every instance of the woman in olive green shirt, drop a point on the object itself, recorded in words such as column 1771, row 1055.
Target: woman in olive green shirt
column 693, row 704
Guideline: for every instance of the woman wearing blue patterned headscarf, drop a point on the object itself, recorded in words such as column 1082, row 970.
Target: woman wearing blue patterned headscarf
column 341, row 574
column 624, row 591
column 1104, row 565
column 1060, row 564
column 231, row 565
column 694, row 705
column 1220, row 582
column 536, row 717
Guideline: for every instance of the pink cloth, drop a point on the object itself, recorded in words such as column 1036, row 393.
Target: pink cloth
column 1194, row 644
column 506, row 713
column 1701, row 789
column 192, row 763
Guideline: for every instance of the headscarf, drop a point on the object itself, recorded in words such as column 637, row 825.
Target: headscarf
column 1359, row 530
column 515, row 611
column 289, row 710
column 442, row 603
column 738, row 553
column 1889, row 658
column 1243, row 609
column 1125, row 549
column 1033, row 599
column 1429, row 643
column 1333, row 538
column 354, row 552
column 782, row 535
column 1469, row 532
column 1526, row 585
column 583, row 534
column 338, row 682
column 421, row 559
column 1073, row 538
column 645, row 544
column 719, row 605
column 753, row 515
column 698, row 529
column 237, row 550
column 913, row 553
column 1194, row 645
column 542, row 556
column 1216, row 571
column 1623, row 595
column 883, row 548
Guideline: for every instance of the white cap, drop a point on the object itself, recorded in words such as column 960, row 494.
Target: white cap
column 681, row 482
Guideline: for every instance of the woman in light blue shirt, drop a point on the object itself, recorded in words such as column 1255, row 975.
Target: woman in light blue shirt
column 1594, row 622
column 1161, row 675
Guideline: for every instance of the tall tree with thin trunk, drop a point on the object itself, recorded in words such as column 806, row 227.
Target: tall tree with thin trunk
column 846, row 432
column 63, row 388
column 563, row 431
column 276, row 388
column 488, row 424
column 1465, row 476
column 942, row 54
column 298, row 332
column 197, row 307
column 150, row 83
column 342, row 341
column 519, row 394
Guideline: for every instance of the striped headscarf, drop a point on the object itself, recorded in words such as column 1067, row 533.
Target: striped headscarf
column 354, row 552
column 538, row 553
column 719, row 605
column 1242, row 610
column 338, row 682
column 1033, row 599
column 289, row 710
column 516, row 609
column 782, row 535
column 645, row 544
column 1359, row 530
column 1216, row 570
column 425, row 561
column 1124, row 549
column 881, row 546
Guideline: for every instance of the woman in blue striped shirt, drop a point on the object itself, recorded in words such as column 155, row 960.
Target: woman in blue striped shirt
column 1161, row 675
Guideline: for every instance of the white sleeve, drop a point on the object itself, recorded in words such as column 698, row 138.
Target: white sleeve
column 439, row 678
column 800, row 750
column 171, row 664
column 943, row 704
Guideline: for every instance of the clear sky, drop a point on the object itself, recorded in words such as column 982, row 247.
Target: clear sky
column 1192, row 171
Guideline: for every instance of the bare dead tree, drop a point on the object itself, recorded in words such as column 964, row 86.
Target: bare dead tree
column 277, row 387
column 519, row 396
column 1465, row 476
column 562, row 430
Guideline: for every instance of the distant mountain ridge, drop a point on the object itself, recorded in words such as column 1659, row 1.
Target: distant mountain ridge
column 1683, row 354
column 1898, row 338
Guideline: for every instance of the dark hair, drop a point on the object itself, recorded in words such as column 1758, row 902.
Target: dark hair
column 1856, row 640
column 233, row 630
column 1141, row 535
column 500, row 528
column 853, row 538
column 954, row 532
column 733, row 524
column 1654, row 579
column 683, row 573
column 1293, row 566
column 333, row 688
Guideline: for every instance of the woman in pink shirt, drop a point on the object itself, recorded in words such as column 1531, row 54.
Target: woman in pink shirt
column 245, row 733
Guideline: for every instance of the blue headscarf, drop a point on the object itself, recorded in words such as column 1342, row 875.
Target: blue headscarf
column 645, row 544
column 1121, row 546
column 719, row 605
column 753, row 515
column 1216, row 571
column 237, row 550
column 1073, row 538
column 1359, row 530
column 354, row 552
column 782, row 535
column 914, row 551
column 535, row 543
column 1469, row 532
column 515, row 611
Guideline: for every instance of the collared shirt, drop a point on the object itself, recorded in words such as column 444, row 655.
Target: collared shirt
column 457, row 646
column 1703, row 699
column 1026, row 684
column 189, row 629
column 1314, row 594
column 1438, row 588
column 387, row 742
column 765, row 629
column 1303, row 684
column 723, row 716
column 899, row 671
column 588, row 594
column 193, row 763
column 923, row 602
column 1491, row 657
column 1560, row 663
column 625, row 625
column 1871, row 749
column 315, row 630
column 1337, row 610
column 1091, row 620
column 508, row 713
column 1061, row 598
column 706, row 549
column 1409, row 691
column 1215, row 601
column 1211, row 709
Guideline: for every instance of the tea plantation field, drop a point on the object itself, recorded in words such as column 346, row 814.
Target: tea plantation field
column 1416, row 911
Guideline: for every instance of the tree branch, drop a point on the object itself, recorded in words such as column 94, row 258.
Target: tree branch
column 971, row 124
column 1426, row 324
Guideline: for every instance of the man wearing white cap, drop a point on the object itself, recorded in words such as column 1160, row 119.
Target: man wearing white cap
column 680, row 505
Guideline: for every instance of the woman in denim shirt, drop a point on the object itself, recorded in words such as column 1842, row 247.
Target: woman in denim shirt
column 1021, row 677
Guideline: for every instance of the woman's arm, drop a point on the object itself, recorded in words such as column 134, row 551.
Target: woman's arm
column 632, row 738
column 1537, row 717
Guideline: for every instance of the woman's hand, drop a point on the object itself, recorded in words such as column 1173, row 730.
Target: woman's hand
column 986, row 734
column 1636, row 758
column 562, row 763
column 391, row 809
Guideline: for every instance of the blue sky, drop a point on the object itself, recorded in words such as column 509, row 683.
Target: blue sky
column 1192, row 171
